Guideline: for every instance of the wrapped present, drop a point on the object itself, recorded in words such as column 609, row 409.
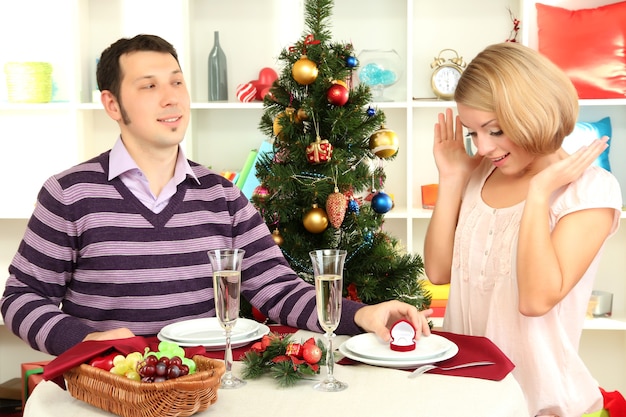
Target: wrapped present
column 32, row 374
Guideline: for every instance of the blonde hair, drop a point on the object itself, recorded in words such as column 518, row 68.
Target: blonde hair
column 535, row 103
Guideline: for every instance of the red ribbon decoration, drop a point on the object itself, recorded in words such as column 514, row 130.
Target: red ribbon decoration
column 310, row 40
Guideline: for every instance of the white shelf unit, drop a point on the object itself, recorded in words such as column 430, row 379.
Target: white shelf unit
column 42, row 139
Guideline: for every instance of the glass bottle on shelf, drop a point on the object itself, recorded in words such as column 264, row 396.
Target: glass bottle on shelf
column 218, row 80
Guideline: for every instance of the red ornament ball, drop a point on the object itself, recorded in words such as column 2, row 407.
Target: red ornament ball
column 337, row 94
column 260, row 194
column 311, row 353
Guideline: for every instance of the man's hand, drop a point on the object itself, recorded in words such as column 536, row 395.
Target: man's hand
column 121, row 333
column 380, row 317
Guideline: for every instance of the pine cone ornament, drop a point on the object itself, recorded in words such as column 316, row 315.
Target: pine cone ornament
column 336, row 206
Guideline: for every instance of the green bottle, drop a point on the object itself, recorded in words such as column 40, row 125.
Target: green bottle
column 218, row 80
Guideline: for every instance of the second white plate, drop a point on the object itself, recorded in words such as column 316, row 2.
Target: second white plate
column 398, row 364
column 368, row 345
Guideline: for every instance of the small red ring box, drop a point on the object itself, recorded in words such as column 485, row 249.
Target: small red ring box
column 402, row 336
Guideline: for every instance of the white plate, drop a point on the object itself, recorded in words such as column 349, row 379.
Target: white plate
column 221, row 344
column 207, row 330
column 399, row 364
column 368, row 345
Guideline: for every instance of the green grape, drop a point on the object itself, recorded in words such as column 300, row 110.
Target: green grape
column 120, row 368
column 134, row 375
column 133, row 359
column 178, row 351
column 165, row 346
column 119, row 359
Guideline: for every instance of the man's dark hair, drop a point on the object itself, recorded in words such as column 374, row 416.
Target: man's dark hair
column 109, row 72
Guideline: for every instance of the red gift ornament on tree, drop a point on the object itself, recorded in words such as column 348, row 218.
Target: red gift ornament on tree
column 319, row 151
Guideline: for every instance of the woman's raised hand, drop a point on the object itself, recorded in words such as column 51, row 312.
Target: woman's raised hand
column 568, row 169
column 449, row 148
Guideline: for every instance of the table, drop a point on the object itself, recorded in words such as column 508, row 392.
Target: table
column 372, row 391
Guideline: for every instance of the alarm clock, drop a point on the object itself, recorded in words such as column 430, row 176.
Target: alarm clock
column 446, row 74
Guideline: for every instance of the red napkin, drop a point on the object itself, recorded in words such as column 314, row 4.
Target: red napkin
column 471, row 349
column 614, row 403
column 85, row 351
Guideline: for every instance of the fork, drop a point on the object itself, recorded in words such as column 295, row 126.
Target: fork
column 425, row 368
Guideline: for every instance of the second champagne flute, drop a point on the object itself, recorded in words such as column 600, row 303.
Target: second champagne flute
column 328, row 273
column 226, row 265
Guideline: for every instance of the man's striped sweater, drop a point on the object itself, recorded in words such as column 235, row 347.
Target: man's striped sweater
column 94, row 258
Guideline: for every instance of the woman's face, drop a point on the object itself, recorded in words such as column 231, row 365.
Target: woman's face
column 492, row 143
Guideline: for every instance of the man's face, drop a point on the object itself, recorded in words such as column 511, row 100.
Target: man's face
column 154, row 102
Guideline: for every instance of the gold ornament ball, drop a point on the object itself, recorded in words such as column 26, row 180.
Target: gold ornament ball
column 316, row 220
column 278, row 238
column 301, row 116
column 277, row 125
column 304, row 71
column 384, row 143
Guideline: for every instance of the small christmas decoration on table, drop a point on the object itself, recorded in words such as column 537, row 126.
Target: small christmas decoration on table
column 286, row 360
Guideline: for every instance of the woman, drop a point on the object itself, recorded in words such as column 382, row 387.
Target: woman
column 518, row 229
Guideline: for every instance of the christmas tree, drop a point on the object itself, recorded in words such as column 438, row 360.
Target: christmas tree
column 329, row 150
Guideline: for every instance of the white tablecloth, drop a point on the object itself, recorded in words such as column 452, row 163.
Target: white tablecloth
column 372, row 391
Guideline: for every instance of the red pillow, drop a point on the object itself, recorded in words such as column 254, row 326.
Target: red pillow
column 588, row 44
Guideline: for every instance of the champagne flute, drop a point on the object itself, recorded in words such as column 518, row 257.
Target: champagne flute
column 226, row 265
column 328, row 273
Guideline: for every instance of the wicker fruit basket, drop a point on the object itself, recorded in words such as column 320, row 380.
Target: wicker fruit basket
column 183, row 396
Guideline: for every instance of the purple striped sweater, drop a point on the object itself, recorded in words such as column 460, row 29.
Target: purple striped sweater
column 94, row 258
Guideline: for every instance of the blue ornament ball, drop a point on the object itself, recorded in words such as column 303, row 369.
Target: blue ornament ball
column 351, row 62
column 371, row 112
column 381, row 202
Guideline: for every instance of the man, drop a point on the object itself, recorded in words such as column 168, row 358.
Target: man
column 117, row 246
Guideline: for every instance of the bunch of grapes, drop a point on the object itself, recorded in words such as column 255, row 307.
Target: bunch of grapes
column 154, row 369
column 169, row 362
